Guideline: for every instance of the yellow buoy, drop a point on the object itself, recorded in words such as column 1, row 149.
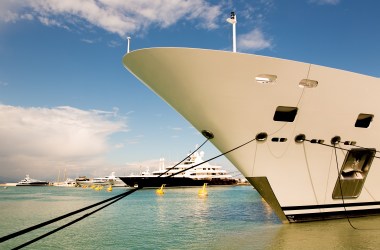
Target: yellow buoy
column 160, row 191
column 109, row 189
column 203, row 191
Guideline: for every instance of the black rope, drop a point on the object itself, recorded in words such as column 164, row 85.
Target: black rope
column 29, row 229
column 196, row 165
column 110, row 200
column 339, row 180
column 341, row 191
column 184, row 158
column 76, row 220
column 344, row 149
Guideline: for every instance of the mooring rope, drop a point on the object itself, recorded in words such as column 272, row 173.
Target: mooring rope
column 77, row 220
column 110, row 200
column 184, row 158
column 309, row 173
column 29, row 229
column 341, row 190
column 213, row 158
column 339, row 180
column 121, row 196
column 344, row 149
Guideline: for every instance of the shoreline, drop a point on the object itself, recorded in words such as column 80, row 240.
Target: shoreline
column 8, row 184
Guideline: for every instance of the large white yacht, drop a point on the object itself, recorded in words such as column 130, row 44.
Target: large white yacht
column 111, row 179
column 311, row 131
column 27, row 181
column 190, row 172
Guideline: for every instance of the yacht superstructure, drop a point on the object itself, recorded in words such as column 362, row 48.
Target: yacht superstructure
column 187, row 174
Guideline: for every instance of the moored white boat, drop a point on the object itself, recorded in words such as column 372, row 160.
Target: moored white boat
column 111, row 179
column 188, row 174
column 313, row 129
column 69, row 182
column 27, row 181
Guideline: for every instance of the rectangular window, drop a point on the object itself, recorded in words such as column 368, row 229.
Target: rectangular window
column 285, row 114
column 364, row 120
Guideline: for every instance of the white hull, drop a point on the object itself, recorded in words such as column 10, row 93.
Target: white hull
column 190, row 172
column 103, row 181
column 31, row 182
column 223, row 96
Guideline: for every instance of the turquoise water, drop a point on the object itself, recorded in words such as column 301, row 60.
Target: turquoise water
column 228, row 218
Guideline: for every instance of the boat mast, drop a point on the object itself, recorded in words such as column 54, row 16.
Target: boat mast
column 129, row 41
column 232, row 20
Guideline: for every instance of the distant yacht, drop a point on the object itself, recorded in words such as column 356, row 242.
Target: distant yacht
column 69, row 182
column 111, row 179
column 27, row 181
column 197, row 176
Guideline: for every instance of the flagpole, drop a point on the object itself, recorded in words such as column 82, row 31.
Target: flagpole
column 232, row 20
column 129, row 41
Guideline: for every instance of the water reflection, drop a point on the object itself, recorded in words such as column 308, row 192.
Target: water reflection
column 333, row 234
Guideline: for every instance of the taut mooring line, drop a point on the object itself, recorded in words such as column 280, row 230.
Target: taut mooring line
column 29, row 229
column 213, row 158
column 184, row 158
column 110, row 200
column 76, row 220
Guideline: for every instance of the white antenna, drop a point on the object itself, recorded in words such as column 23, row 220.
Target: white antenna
column 129, row 41
column 232, row 20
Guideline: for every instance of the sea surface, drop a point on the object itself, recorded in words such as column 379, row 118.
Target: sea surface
column 228, row 218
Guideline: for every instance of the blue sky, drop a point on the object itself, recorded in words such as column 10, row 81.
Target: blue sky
column 67, row 102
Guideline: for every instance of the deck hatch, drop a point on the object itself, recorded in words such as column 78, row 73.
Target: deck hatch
column 353, row 173
column 285, row 114
column 364, row 120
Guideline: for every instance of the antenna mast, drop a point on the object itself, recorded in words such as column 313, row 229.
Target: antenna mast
column 129, row 41
column 232, row 20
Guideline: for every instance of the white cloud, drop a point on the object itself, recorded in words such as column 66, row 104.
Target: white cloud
column 119, row 145
column 38, row 141
column 175, row 128
column 323, row 2
column 254, row 40
column 116, row 16
column 89, row 41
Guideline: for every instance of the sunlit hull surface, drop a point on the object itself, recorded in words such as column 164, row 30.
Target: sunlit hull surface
column 225, row 93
